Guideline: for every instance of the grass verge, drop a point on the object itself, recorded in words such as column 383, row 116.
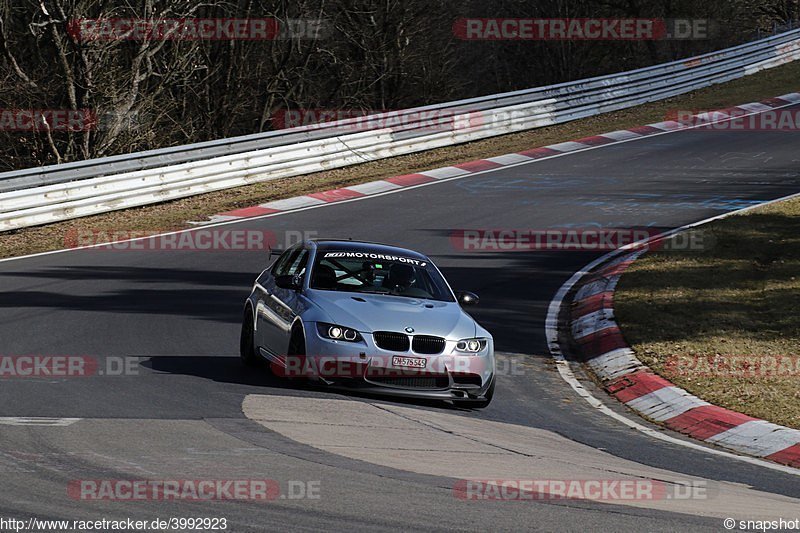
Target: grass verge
column 724, row 323
column 174, row 215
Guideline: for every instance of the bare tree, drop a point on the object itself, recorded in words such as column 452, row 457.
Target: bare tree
column 371, row 54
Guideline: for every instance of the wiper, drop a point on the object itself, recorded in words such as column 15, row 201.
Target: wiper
column 373, row 292
column 400, row 294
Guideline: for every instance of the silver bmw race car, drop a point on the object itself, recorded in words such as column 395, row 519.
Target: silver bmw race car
column 369, row 316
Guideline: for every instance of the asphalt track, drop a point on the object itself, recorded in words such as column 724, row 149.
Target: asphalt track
column 181, row 417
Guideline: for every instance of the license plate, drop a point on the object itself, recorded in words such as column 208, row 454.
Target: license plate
column 409, row 362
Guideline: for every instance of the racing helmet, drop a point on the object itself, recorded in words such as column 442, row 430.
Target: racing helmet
column 401, row 276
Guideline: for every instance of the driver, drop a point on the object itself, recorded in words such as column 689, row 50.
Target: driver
column 401, row 277
column 368, row 272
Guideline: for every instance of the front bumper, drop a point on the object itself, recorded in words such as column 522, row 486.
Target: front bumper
column 364, row 367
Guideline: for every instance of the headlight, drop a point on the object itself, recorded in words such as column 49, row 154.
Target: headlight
column 471, row 345
column 338, row 333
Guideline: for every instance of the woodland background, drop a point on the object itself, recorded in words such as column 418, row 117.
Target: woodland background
column 375, row 54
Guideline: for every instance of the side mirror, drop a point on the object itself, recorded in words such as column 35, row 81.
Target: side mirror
column 293, row 283
column 467, row 298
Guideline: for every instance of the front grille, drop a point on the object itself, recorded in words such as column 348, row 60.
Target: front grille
column 428, row 345
column 413, row 382
column 392, row 341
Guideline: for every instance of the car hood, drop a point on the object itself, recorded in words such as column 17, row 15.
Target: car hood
column 379, row 312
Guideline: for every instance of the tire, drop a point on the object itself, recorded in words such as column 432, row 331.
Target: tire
column 297, row 343
column 297, row 348
column 247, row 348
column 478, row 404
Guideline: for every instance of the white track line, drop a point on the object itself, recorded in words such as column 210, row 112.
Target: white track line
column 37, row 421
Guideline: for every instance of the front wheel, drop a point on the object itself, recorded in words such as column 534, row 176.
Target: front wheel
column 296, row 353
column 247, row 346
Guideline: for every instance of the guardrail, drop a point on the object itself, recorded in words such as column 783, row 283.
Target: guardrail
column 49, row 194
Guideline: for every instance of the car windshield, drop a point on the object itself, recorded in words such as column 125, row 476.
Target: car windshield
column 378, row 273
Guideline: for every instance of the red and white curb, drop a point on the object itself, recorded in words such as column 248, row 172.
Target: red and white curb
column 603, row 346
column 492, row 163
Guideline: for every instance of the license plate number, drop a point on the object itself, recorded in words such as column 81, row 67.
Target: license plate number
column 409, row 362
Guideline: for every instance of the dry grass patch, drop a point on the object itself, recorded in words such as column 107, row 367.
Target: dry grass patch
column 725, row 323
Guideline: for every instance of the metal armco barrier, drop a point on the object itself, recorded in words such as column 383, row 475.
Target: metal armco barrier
column 43, row 195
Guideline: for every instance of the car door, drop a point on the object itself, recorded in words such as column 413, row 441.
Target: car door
column 278, row 307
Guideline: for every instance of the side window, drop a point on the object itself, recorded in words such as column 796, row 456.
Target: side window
column 292, row 262
column 285, row 261
column 298, row 264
